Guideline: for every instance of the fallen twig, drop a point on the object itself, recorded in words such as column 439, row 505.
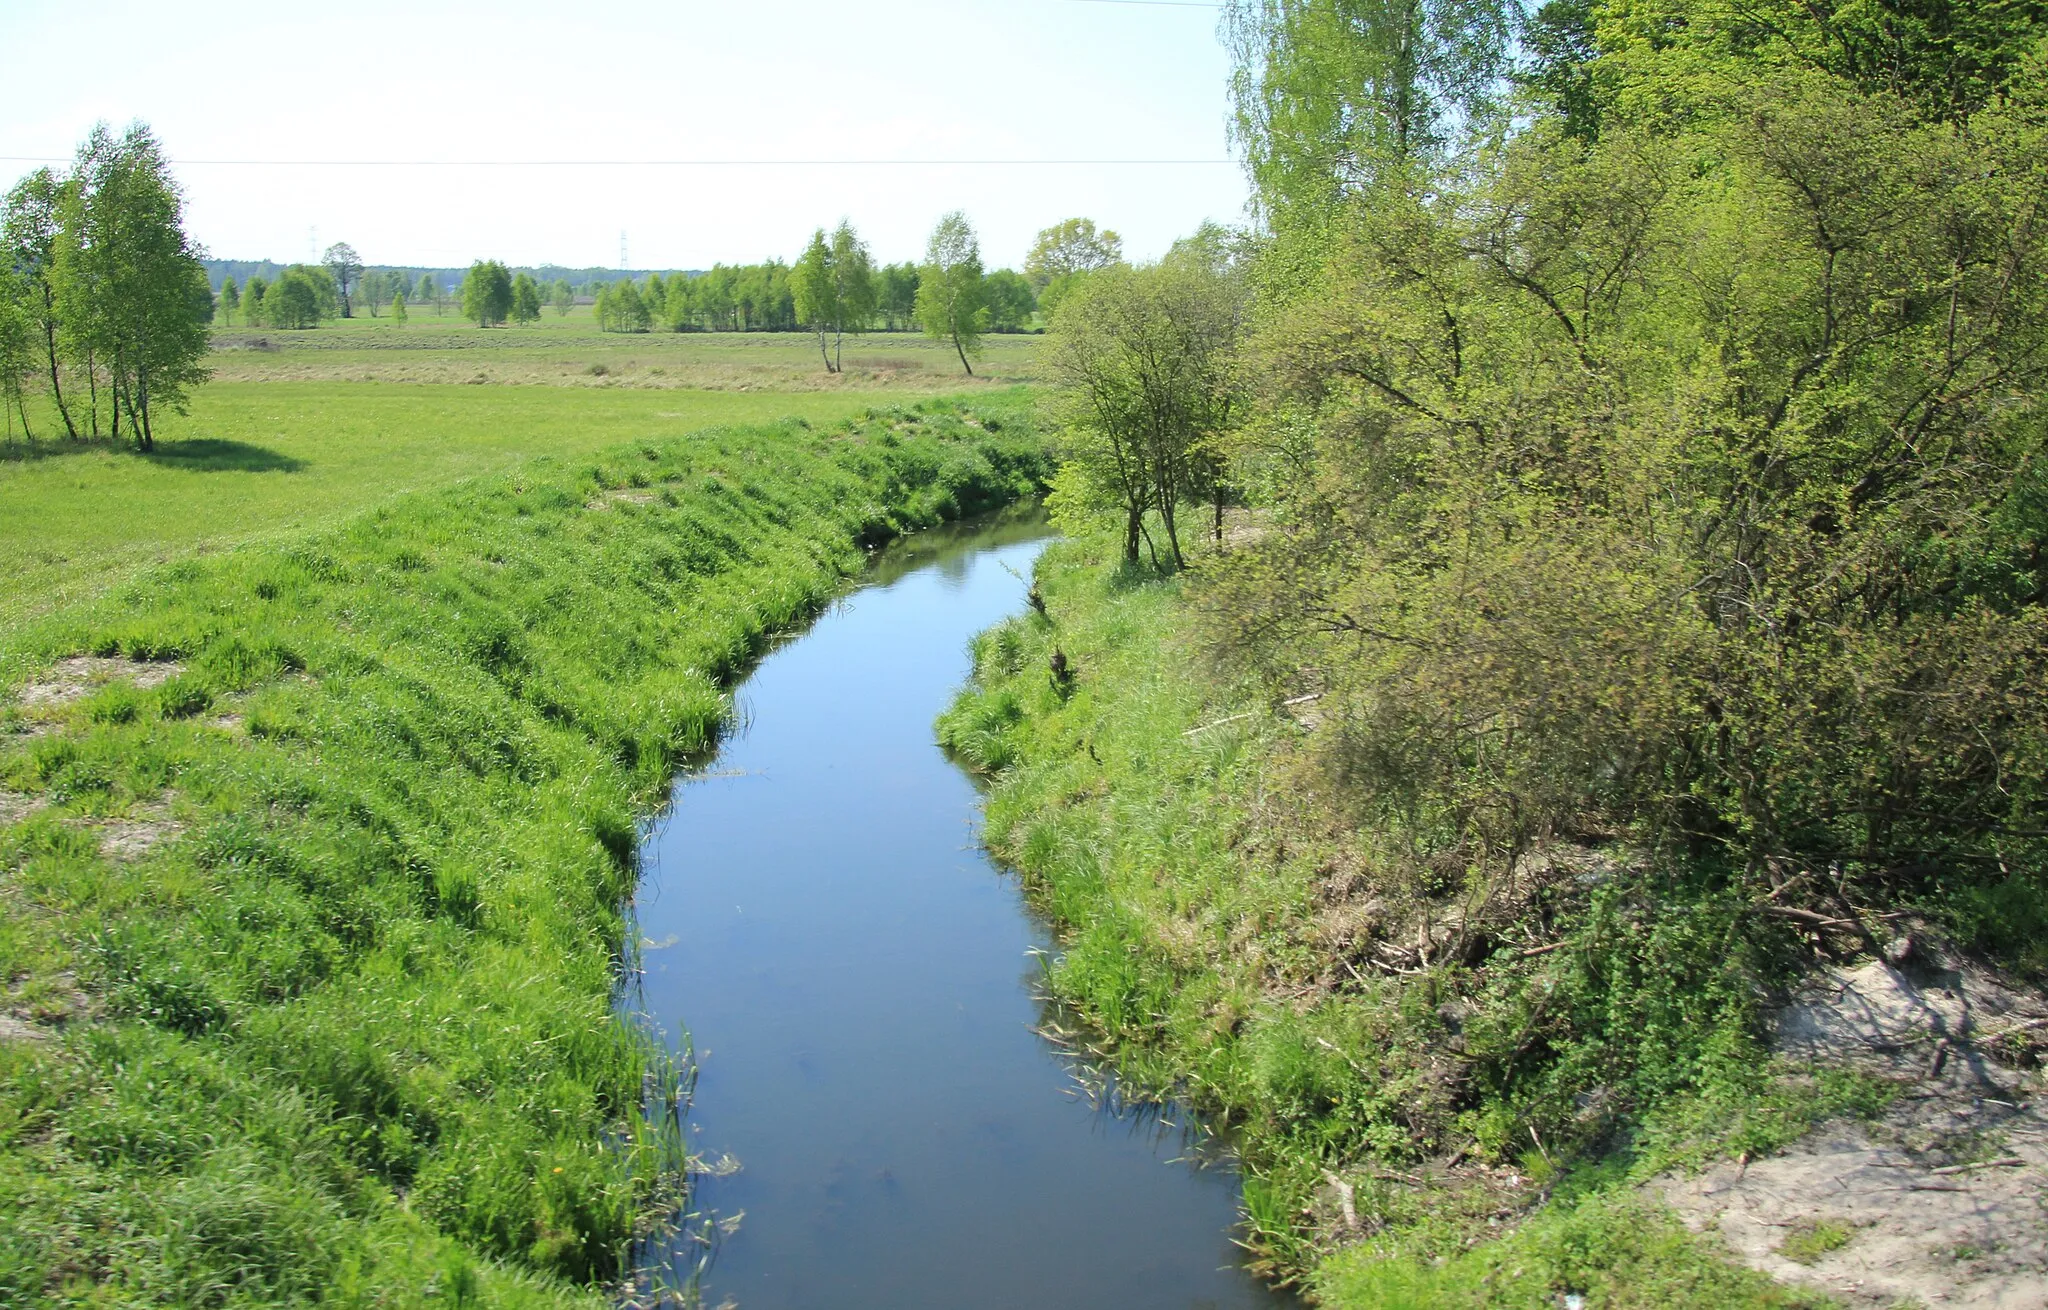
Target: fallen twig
column 2004, row 1162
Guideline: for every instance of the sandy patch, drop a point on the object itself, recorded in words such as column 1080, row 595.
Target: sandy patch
column 624, row 496
column 20, row 1030
column 14, row 807
column 135, row 834
column 72, row 679
column 133, row 837
column 1943, row 1201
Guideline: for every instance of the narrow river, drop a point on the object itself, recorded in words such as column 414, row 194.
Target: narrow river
column 856, row 979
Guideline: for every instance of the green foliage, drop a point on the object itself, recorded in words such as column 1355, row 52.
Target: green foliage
column 950, row 296
column 487, row 293
column 525, row 299
column 1227, row 943
column 1706, row 607
column 896, row 295
column 1329, row 95
column 345, row 267
column 302, row 297
column 125, row 278
column 352, row 1029
column 1070, row 247
column 1010, row 301
column 1644, row 540
column 1142, row 359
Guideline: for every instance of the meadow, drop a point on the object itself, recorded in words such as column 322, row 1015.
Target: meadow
column 571, row 351
column 314, row 426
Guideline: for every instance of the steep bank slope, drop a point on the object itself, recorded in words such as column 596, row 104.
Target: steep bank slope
column 1440, row 1102
column 313, row 861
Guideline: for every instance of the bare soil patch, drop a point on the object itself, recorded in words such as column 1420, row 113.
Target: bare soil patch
column 74, row 678
column 1943, row 1200
column 137, row 834
column 14, row 807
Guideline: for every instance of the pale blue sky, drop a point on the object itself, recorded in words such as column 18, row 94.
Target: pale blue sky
column 689, row 79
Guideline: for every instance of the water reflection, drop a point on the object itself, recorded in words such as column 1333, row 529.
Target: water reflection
column 849, row 966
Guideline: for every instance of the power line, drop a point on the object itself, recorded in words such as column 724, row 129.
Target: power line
column 679, row 163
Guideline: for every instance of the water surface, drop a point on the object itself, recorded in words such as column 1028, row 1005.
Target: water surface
column 856, row 978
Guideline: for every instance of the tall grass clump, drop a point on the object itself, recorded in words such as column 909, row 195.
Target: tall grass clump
column 315, row 942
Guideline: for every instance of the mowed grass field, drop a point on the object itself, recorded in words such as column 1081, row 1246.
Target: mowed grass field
column 570, row 351
column 303, row 429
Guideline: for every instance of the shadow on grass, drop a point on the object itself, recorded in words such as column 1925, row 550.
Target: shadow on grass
column 199, row 454
column 211, row 455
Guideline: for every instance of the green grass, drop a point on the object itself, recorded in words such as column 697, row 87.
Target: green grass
column 1216, row 925
column 1812, row 1240
column 1612, row 1250
column 269, row 460
column 346, row 1033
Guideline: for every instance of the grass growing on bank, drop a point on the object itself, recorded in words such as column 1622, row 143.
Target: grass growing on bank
column 1395, row 1121
column 313, row 884
column 273, row 459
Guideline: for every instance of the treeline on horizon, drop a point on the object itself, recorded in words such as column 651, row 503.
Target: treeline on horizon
column 760, row 297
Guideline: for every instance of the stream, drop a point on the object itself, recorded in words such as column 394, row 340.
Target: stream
column 857, row 980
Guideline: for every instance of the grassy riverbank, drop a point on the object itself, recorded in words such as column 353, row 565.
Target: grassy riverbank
column 313, row 854
column 1398, row 1109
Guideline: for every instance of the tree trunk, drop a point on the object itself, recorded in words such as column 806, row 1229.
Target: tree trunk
column 148, row 438
column 963, row 360
column 1134, row 523
column 50, row 342
column 92, row 384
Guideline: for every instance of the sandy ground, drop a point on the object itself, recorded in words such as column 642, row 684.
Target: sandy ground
column 1943, row 1201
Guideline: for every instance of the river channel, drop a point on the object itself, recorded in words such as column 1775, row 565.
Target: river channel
column 856, row 979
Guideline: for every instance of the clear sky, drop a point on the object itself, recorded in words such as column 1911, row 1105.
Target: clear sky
column 637, row 80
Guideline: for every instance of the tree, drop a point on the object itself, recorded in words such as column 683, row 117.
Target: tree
column 230, row 300
column 344, row 265
column 1010, row 302
column 200, row 296
column 629, row 308
column 810, row 282
column 525, row 299
column 949, row 288
column 1328, row 95
column 561, row 297
column 253, row 296
column 1072, row 246
column 127, row 276
column 1142, row 358
column 401, row 283
column 373, row 288
column 398, row 307
column 429, row 290
column 896, row 297
column 301, row 297
column 853, row 286
column 19, row 356
column 30, row 234
column 487, row 293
